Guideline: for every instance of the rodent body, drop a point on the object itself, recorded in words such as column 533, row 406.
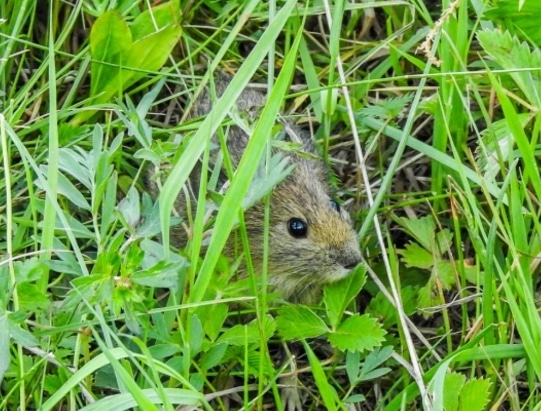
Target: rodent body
column 311, row 239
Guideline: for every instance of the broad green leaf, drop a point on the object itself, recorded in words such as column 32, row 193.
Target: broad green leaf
column 19, row 334
column 357, row 333
column 196, row 336
column 155, row 19
column 355, row 398
column 213, row 318
column 445, row 272
column 161, row 351
column 353, row 365
column 299, row 322
column 149, row 54
column 110, row 38
column 462, row 395
column 130, row 208
column 118, row 61
column 212, row 357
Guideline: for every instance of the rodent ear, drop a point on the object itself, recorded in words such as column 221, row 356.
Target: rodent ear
column 334, row 205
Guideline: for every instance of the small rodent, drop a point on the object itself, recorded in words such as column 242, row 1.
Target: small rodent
column 311, row 238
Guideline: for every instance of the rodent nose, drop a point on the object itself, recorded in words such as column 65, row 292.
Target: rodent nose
column 351, row 265
column 350, row 261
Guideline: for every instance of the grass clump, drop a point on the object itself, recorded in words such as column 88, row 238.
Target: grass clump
column 427, row 114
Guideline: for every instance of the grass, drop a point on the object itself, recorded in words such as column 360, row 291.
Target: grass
column 427, row 113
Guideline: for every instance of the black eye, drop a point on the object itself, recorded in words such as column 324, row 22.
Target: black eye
column 335, row 206
column 297, row 228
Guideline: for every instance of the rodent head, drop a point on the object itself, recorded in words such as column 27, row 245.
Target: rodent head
column 311, row 239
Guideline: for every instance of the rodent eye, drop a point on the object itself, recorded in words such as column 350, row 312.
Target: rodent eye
column 335, row 206
column 297, row 228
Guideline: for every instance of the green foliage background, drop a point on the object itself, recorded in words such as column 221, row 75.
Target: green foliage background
column 426, row 111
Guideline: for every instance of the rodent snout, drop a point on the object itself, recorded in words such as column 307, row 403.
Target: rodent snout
column 351, row 265
column 350, row 259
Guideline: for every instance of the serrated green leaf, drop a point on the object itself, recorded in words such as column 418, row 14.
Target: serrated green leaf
column 248, row 334
column 357, row 333
column 28, row 270
column 166, row 275
column 519, row 16
column 511, row 54
column 299, row 322
column 445, row 271
column 31, row 298
column 386, row 109
column 442, row 277
column 338, row 295
column 474, row 395
column 453, row 385
column 413, row 255
column 422, row 229
column 444, row 240
column 381, row 308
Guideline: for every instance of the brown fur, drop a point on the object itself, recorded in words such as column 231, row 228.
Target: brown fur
column 297, row 267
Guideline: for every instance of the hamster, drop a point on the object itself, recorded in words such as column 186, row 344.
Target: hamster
column 311, row 238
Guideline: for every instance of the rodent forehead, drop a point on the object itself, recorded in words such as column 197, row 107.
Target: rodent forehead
column 328, row 224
